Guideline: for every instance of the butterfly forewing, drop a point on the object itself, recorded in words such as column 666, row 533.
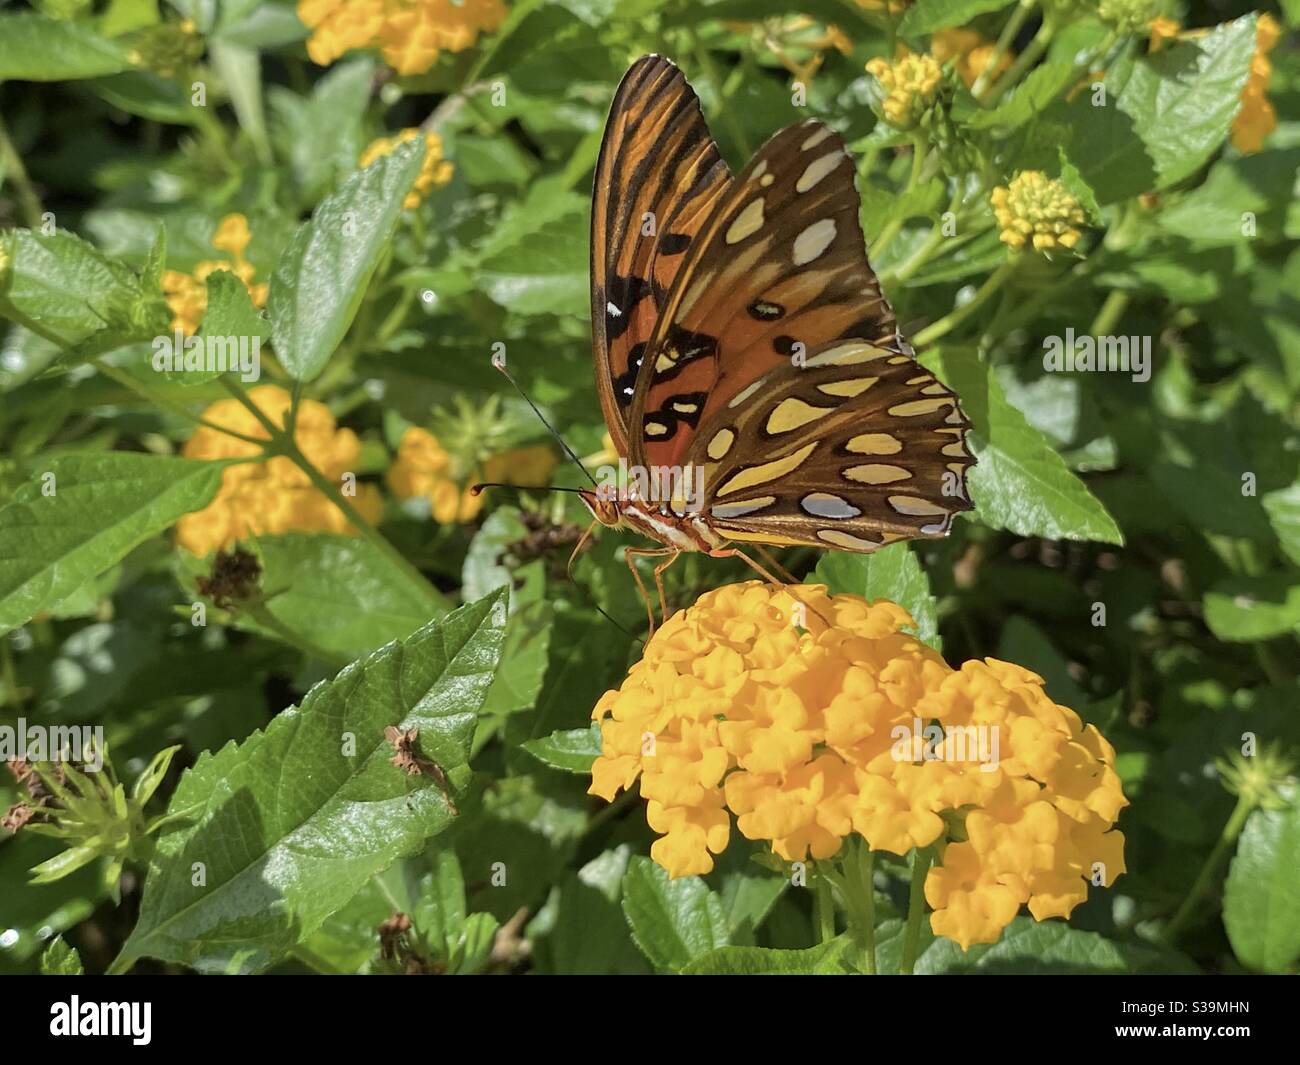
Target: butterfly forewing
column 778, row 271
column 657, row 179
column 855, row 448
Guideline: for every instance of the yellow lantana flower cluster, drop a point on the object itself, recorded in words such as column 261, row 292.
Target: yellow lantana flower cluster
column 410, row 33
column 425, row 468
column 1257, row 118
column 802, row 714
column 970, row 51
column 911, row 84
column 187, row 294
column 1037, row 210
column 274, row 496
column 435, row 171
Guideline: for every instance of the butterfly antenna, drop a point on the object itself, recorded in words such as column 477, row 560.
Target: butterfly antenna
column 500, row 365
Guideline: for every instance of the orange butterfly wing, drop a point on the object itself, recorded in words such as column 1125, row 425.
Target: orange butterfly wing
column 779, row 268
column 657, row 179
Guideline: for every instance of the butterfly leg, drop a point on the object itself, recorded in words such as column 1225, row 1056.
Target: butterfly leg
column 659, row 582
column 630, row 555
column 733, row 552
column 772, row 561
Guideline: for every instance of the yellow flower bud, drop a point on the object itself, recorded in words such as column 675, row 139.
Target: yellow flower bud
column 1038, row 211
column 911, row 85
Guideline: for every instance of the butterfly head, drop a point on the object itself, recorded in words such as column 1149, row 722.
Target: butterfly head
column 606, row 511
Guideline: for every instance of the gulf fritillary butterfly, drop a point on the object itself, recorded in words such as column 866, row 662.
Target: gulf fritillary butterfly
column 739, row 329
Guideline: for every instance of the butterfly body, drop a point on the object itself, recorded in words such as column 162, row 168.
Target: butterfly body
column 743, row 343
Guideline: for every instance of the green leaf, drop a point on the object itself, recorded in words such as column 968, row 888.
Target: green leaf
column 1254, row 608
column 827, row 959
column 518, row 682
column 34, row 47
column 230, row 335
column 321, row 278
column 926, row 16
column 544, row 272
column 1041, row 87
column 69, row 290
column 571, row 750
column 338, row 593
column 891, row 573
column 1079, row 189
column 1263, row 185
column 60, row 959
column 321, row 135
column 1261, row 897
column 1020, row 482
column 1030, row 947
column 1283, row 508
column 1164, row 116
column 143, row 93
column 100, row 505
column 673, row 921
column 288, row 825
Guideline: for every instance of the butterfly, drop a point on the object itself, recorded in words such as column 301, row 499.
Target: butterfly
column 742, row 339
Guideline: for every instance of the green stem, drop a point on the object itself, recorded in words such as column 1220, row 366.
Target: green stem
column 1005, row 38
column 823, row 909
column 919, row 157
column 860, row 901
column 1202, row 883
column 12, row 165
column 1110, row 313
column 950, row 321
column 1023, row 62
column 915, row 908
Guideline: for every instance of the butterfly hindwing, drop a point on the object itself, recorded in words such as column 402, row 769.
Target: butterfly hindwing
column 657, row 179
column 855, row 448
column 778, row 270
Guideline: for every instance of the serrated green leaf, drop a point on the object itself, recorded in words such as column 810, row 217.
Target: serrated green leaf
column 891, row 573
column 288, row 825
column 68, row 289
column 673, row 921
column 1261, row 898
column 1164, row 115
column 100, row 506
column 571, row 750
column 34, row 47
column 827, row 959
column 1020, row 482
column 61, row 959
column 321, row 278
column 1031, row 947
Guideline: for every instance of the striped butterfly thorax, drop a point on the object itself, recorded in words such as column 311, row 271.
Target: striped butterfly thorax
column 739, row 330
